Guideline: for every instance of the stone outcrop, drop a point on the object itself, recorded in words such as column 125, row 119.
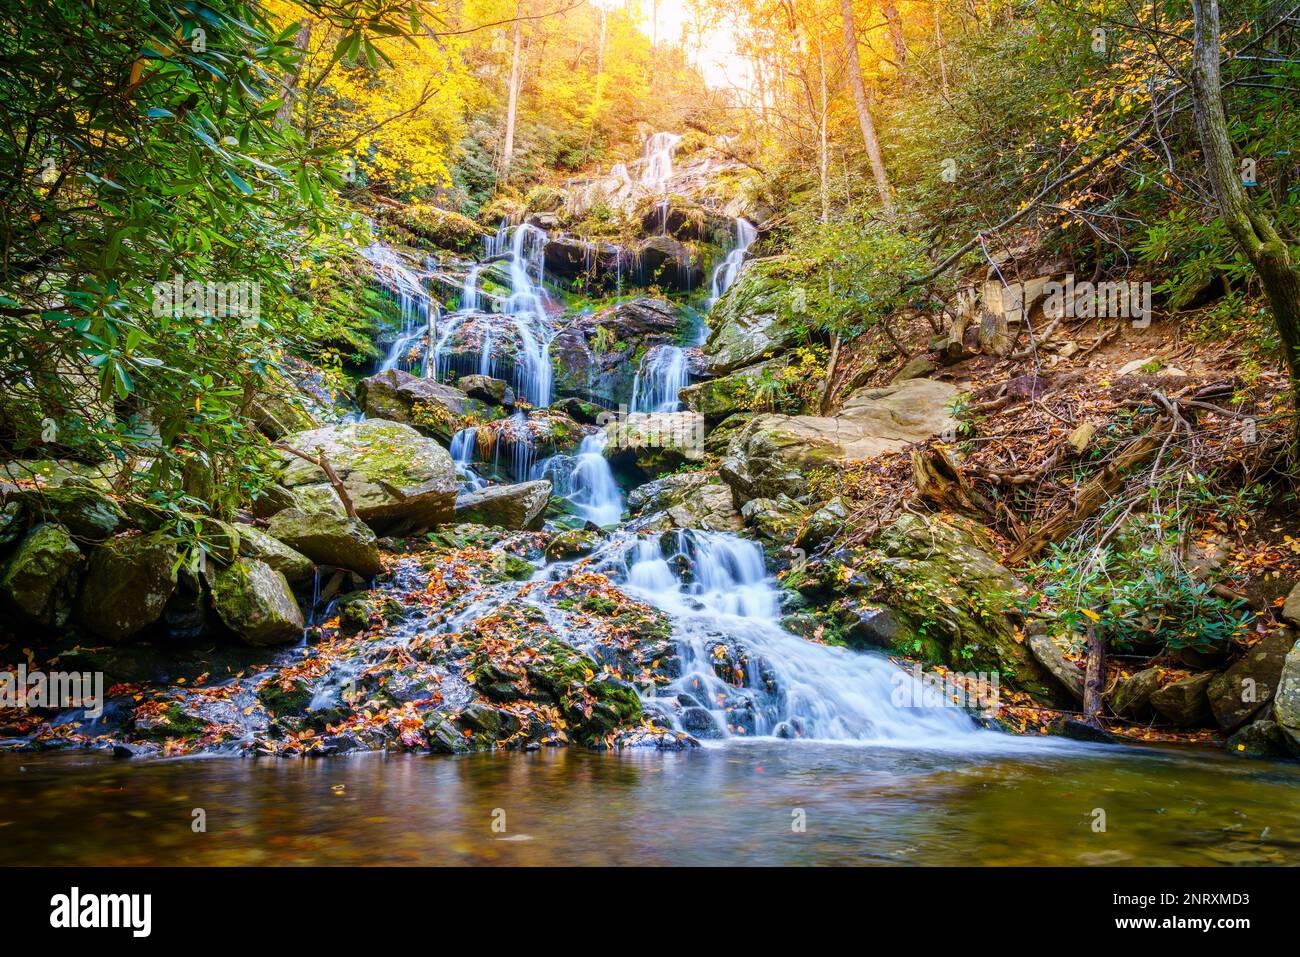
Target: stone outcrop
column 518, row 506
column 398, row 479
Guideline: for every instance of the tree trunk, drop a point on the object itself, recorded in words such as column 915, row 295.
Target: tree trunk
column 896, row 32
column 823, row 165
column 1251, row 230
column 864, row 109
column 938, row 38
column 1094, row 681
column 284, row 113
column 512, row 100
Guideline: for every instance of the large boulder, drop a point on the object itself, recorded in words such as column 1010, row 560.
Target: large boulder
column 88, row 513
column 1286, row 703
column 667, row 263
column 506, row 506
column 254, row 543
column 1131, row 695
column 254, row 601
column 38, row 580
column 655, row 442
column 437, row 409
column 127, row 583
column 702, row 502
column 772, row 454
column 1051, row 655
column 1259, row 739
column 776, row 520
column 957, row 601
column 739, row 391
column 398, row 479
column 1184, row 702
column 755, row 318
column 486, row 389
column 328, row 538
column 599, row 353
column 1251, row 681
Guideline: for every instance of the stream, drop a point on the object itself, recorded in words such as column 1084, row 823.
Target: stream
column 1022, row 803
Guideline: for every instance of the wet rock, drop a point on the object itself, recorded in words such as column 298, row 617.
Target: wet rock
column 1286, row 703
column 506, row 506
column 689, row 500
column 668, row 263
column 87, row 513
column 656, row 442
column 296, row 567
column 398, row 479
column 39, row 581
column 486, row 389
column 254, row 601
column 754, row 318
column 127, row 583
column 775, row 520
column 434, row 408
column 1184, row 702
column 572, row 544
column 864, row 625
column 738, row 391
column 329, row 539
column 1251, row 681
column 1131, row 696
column 940, row 576
column 283, row 407
column 1258, row 739
column 823, row 524
column 1077, row 730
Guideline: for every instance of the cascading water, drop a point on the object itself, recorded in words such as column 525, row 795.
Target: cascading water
column 725, row 274
column 663, row 372
column 418, row 311
column 463, row 446
column 586, row 480
column 527, row 309
column 659, row 151
column 724, row 607
column 469, row 292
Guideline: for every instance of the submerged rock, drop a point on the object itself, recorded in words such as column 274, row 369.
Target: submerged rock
column 128, row 581
column 506, row 506
column 329, row 539
column 1259, row 739
column 38, row 580
column 398, row 479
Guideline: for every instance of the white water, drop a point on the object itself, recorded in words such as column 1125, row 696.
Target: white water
column 469, row 292
column 659, row 150
column 418, row 310
column 663, row 373
column 527, row 309
column 790, row 687
column 725, row 275
column 586, row 480
column 464, row 445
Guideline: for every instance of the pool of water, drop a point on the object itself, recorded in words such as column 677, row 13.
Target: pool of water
column 1009, row 801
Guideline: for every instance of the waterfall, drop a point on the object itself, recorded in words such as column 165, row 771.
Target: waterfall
column 526, row 309
column 729, row 268
column 725, row 610
column 586, row 481
column 469, row 292
column 663, row 373
column 463, row 446
column 416, row 308
column 659, row 150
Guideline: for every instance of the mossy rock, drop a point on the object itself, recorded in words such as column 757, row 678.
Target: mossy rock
column 329, row 539
column 285, row 698
column 254, row 601
column 38, row 580
column 127, row 583
column 89, row 514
